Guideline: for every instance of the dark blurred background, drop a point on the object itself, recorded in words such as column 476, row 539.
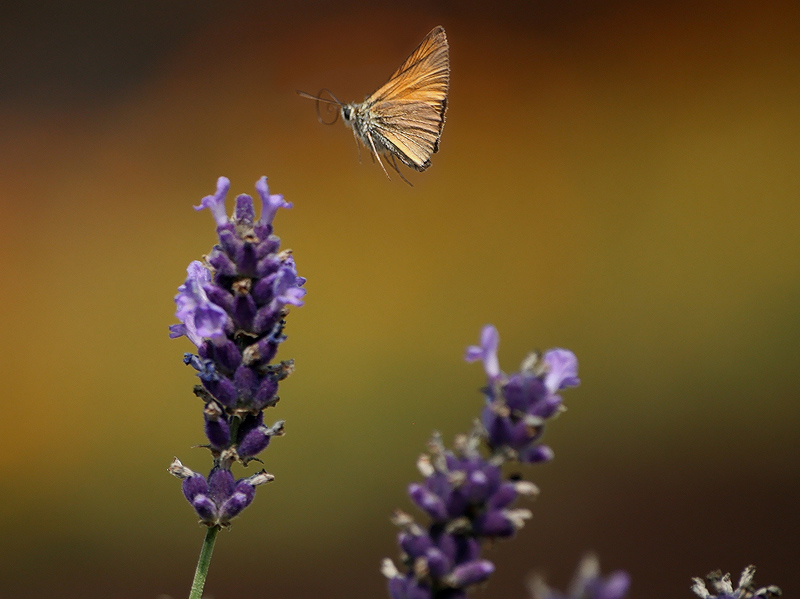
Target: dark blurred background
column 618, row 178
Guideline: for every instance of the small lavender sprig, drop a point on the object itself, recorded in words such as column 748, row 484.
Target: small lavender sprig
column 719, row 586
column 464, row 492
column 232, row 307
column 587, row 584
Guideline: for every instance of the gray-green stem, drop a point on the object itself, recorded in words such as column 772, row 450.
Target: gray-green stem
column 202, row 564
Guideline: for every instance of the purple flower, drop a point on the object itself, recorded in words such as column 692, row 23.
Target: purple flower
column 269, row 203
column 719, row 586
column 518, row 405
column 562, row 370
column 464, row 494
column 486, row 351
column 216, row 202
column 232, row 307
column 201, row 319
column 587, row 584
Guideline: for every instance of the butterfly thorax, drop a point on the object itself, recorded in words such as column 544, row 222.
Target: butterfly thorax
column 369, row 128
column 356, row 115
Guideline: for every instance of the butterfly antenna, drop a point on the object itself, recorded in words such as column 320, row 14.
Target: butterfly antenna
column 318, row 98
column 399, row 172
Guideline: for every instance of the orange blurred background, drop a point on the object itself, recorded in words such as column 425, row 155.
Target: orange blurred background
column 618, row 178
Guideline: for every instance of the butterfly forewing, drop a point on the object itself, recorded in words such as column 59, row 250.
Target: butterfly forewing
column 428, row 65
column 408, row 111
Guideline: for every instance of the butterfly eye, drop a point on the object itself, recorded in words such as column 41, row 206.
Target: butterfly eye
column 347, row 113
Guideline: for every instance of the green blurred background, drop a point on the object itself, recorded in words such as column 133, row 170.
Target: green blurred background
column 619, row 178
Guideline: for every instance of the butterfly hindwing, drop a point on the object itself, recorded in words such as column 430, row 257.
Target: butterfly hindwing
column 413, row 129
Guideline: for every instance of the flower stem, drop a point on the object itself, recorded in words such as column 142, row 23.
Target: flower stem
column 202, row 564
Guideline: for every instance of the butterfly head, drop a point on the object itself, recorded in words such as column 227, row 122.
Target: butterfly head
column 348, row 113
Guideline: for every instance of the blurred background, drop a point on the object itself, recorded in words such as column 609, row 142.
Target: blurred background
column 618, row 178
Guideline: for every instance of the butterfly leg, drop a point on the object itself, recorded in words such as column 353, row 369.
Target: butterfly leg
column 393, row 162
column 358, row 146
column 376, row 155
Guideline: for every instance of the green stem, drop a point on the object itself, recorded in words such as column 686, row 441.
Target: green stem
column 202, row 564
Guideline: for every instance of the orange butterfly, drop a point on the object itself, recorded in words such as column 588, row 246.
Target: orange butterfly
column 404, row 118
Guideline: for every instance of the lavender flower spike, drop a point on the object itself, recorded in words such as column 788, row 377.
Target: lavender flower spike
column 465, row 494
column 232, row 307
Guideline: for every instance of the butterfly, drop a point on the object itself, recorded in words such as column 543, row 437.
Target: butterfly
column 403, row 119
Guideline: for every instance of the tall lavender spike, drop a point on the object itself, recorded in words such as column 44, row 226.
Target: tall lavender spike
column 465, row 494
column 232, row 308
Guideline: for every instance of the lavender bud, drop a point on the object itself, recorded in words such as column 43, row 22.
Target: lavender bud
column 493, row 523
column 414, row 545
column 438, row 563
column 254, row 442
column 523, row 391
column 195, row 486
column 470, row 573
column 537, row 455
column 234, row 505
column 504, row 496
column 206, row 509
column 224, row 353
column 222, row 389
column 220, row 484
column 246, row 381
column 428, row 502
column 244, row 310
column 264, row 396
column 217, row 429
column 224, row 267
column 498, row 425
